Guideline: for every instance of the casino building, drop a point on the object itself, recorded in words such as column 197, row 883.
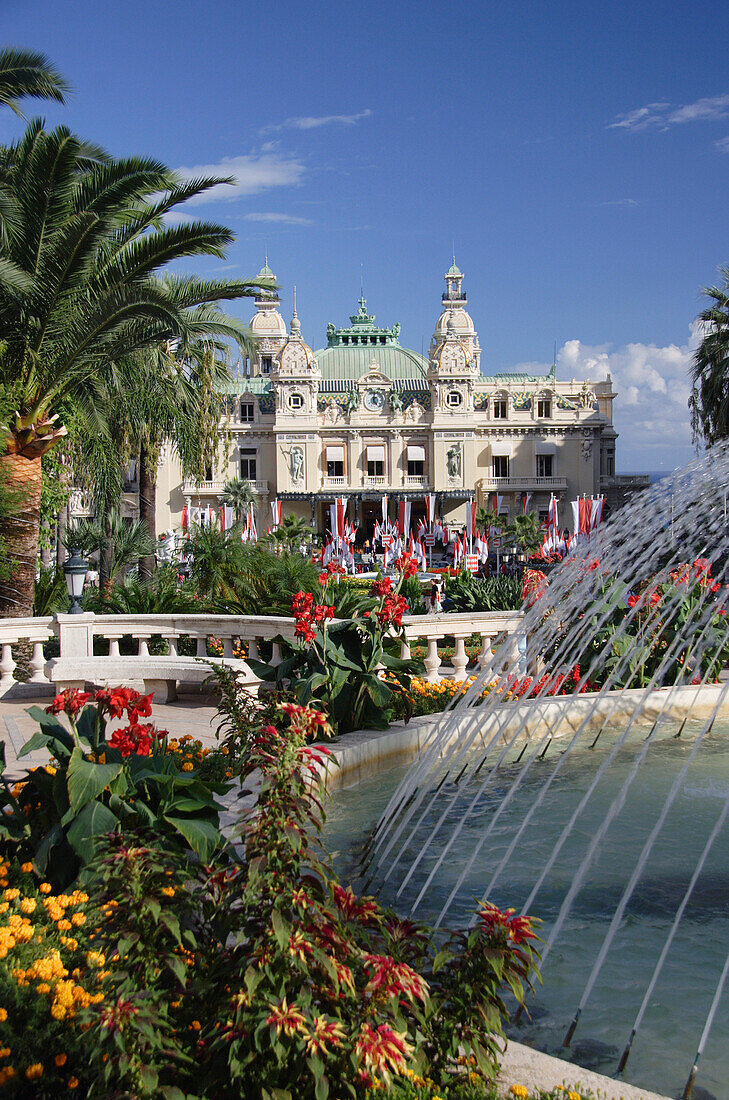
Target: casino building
column 365, row 416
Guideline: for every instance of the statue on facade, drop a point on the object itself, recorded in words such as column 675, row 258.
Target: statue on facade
column 453, row 462
column 296, row 464
column 395, row 402
column 352, row 401
column 587, row 397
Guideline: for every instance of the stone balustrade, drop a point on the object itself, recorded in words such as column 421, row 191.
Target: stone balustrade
column 76, row 635
column 495, row 628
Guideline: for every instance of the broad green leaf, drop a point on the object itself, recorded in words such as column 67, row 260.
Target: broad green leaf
column 202, row 836
column 51, row 840
column 149, row 1077
column 281, row 928
column 86, row 781
column 94, row 821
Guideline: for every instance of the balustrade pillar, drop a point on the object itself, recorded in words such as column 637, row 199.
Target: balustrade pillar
column 432, row 662
column 171, row 640
column 460, row 658
column 405, row 650
column 37, row 665
column 485, row 655
column 253, row 649
column 142, row 644
column 201, row 647
column 7, row 664
column 276, row 654
column 228, row 648
column 113, row 640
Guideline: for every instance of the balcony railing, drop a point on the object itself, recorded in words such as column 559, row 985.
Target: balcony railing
column 336, row 483
column 217, row 487
column 516, row 484
column 375, row 481
column 413, row 481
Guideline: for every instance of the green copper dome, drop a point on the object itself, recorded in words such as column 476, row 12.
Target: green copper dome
column 351, row 351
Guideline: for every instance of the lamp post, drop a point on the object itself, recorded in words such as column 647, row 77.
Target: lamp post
column 75, row 570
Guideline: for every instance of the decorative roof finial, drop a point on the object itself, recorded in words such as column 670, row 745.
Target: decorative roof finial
column 294, row 299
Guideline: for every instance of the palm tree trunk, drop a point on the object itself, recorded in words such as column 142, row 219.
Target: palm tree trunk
column 19, row 528
column 63, row 518
column 147, row 506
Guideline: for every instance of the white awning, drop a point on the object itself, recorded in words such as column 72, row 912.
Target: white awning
column 376, row 453
column 500, row 448
column 335, row 452
column 416, row 453
column 546, row 448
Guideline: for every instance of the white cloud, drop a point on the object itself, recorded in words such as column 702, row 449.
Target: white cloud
column 663, row 115
column 252, row 174
column 309, row 122
column 282, row 219
column 722, row 145
column 618, row 202
column 652, row 386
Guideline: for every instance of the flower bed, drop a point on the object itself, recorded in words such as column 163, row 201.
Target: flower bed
column 168, row 975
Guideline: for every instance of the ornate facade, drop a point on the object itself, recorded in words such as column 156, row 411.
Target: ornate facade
column 364, row 417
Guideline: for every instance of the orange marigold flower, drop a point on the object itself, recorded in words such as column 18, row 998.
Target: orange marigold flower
column 73, row 1082
column 45, row 888
column 35, row 1071
column 26, row 868
column 61, row 1060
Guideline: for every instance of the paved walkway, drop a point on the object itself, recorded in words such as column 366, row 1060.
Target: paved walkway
column 196, row 716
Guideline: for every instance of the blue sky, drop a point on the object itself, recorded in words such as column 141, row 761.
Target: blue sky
column 576, row 155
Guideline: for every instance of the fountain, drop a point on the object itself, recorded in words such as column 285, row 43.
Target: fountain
column 590, row 810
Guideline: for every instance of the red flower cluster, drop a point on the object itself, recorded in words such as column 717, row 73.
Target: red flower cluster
column 310, row 722
column 533, row 586
column 650, row 601
column 381, row 587
column 306, row 612
column 494, row 921
column 117, row 700
column 70, row 702
column 550, row 685
column 392, row 610
column 134, row 739
column 407, row 565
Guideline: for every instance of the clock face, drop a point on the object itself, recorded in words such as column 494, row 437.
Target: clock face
column 374, row 400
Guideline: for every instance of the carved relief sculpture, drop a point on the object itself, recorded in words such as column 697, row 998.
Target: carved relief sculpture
column 453, row 462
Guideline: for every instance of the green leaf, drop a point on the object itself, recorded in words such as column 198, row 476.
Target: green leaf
column 51, row 840
column 441, row 959
column 202, row 836
column 281, row 928
column 171, row 1092
column 149, row 1077
column 178, row 968
column 87, row 726
column 94, row 821
column 86, row 780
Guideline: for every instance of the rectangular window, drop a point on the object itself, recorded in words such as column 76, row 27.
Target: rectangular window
column 543, row 516
column 375, row 469
column 246, row 412
column 499, row 410
column 545, row 465
column 335, row 461
column 416, row 467
column 266, row 364
column 501, row 465
column 247, row 464
column 544, row 407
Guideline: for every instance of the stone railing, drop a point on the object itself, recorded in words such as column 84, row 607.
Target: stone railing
column 76, row 634
column 495, row 628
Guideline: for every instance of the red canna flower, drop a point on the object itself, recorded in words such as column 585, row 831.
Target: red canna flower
column 70, row 702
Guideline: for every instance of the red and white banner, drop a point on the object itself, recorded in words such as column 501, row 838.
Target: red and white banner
column 385, row 520
column 472, row 563
column 430, row 508
column 276, row 512
column 183, row 521
column 457, row 552
column 496, row 501
column 403, row 518
column 430, row 538
column 553, row 516
column 525, row 502
column 471, row 513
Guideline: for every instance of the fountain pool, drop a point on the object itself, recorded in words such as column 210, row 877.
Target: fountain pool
column 668, row 1035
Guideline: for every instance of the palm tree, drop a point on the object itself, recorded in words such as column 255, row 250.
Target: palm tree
column 89, row 237
column 709, row 400
column 525, row 533
column 167, row 394
column 216, row 571
column 290, row 533
column 25, row 74
column 237, row 494
column 124, row 542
